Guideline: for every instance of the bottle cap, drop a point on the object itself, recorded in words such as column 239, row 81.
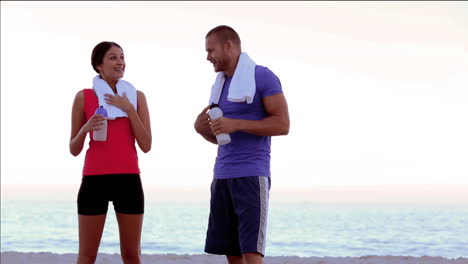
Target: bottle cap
column 102, row 111
column 213, row 105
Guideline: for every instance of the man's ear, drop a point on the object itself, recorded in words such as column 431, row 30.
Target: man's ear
column 228, row 45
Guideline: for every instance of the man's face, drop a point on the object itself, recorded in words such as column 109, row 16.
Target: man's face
column 216, row 53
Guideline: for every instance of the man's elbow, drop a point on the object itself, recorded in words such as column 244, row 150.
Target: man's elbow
column 284, row 129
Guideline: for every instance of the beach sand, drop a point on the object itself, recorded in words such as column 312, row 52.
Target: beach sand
column 51, row 258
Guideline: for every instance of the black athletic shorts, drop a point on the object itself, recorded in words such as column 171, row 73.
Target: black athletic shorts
column 124, row 190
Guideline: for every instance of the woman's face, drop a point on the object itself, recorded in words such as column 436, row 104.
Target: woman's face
column 113, row 64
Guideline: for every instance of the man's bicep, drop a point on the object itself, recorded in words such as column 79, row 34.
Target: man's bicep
column 276, row 105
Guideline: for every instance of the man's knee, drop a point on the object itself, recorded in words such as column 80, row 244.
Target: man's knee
column 253, row 258
column 235, row 259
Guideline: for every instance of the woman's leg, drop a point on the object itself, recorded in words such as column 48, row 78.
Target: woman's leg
column 90, row 233
column 130, row 226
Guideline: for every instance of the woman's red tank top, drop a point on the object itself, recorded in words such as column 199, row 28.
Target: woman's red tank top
column 117, row 154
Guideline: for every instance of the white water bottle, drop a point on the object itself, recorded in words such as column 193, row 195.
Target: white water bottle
column 101, row 134
column 214, row 113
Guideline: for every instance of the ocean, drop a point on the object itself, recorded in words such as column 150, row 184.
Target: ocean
column 294, row 228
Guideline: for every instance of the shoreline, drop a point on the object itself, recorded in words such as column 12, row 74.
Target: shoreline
column 8, row 257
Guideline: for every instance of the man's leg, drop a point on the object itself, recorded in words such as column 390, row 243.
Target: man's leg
column 248, row 258
column 222, row 237
column 250, row 200
column 235, row 259
column 252, row 258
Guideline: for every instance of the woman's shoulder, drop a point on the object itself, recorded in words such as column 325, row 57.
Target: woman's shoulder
column 83, row 91
column 81, row 94
column 140, row 94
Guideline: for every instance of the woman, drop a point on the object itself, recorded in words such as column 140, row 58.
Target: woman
column 111, row 171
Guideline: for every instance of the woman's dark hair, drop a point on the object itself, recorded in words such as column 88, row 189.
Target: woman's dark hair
column 99, row 51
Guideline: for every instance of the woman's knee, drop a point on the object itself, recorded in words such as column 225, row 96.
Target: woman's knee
column 131, row 255
column 86, row 259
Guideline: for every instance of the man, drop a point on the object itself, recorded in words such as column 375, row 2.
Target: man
column 240, row 188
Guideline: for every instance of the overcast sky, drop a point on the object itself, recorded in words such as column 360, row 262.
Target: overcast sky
column 377, row 91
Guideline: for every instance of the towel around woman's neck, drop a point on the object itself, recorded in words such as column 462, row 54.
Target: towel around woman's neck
column 242, row 87
column 101, row 88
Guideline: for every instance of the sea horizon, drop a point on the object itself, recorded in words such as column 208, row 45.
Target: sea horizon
column 371, row 194
column 320, row 221
column 301, row 229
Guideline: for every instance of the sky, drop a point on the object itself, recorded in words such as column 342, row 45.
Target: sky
column 377, row 91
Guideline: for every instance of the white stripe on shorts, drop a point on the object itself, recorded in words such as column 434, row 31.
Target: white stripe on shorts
column 264, row 197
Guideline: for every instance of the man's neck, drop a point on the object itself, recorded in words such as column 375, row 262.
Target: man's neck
column 232, row 67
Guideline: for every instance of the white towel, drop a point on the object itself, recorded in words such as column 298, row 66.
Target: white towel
column 242, row 87
column 101, row 88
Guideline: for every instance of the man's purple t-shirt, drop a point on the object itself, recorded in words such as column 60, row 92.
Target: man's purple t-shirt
column 247, row 154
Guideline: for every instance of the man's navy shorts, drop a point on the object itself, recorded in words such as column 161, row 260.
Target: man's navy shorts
column 238, row 216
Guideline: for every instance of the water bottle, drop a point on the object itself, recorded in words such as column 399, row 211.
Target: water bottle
column 214, row 113
column 101, row 134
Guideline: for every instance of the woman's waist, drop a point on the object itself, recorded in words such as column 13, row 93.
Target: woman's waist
column 98, row 165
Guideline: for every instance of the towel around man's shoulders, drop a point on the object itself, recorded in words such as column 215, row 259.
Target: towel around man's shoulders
column 242, row 87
